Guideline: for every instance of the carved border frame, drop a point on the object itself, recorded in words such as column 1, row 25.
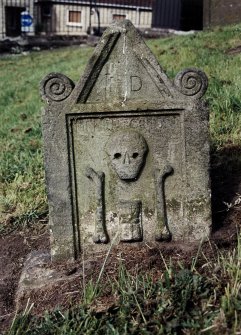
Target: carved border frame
column 70, row 118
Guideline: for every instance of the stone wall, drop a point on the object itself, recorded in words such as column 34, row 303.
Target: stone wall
column 221, row 12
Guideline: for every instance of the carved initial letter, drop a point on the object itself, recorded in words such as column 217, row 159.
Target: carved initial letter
column 136, row 83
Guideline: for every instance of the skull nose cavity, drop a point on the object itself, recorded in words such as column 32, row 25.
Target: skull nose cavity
column 126, row 159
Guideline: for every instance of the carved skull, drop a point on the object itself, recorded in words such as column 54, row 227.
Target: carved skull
column 127, row 151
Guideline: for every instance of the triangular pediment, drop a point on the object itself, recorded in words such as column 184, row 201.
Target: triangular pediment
column 130, row 73
column 122, row 69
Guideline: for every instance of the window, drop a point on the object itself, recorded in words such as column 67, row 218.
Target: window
column 74, row 17
column 119, row 17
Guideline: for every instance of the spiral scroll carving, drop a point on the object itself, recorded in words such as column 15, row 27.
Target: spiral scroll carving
column 56, row 87
column 191, row 82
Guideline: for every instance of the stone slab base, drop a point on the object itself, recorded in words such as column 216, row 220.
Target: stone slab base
column 44, row 286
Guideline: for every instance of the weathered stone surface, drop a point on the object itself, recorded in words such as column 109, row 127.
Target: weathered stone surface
column 126, row 151
column 37, row 276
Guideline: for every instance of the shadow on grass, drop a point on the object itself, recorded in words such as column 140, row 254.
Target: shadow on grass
column 226, row 188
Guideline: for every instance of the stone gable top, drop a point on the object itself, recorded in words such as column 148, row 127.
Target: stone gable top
column 123, row 70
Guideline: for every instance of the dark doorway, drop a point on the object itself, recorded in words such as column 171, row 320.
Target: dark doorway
column 192, row 15
column 46, row 17
column 178, row 14
column 166, row 14
column 13, row 20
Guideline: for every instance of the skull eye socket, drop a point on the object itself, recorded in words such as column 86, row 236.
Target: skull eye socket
column 117, row 155
column 135, row 155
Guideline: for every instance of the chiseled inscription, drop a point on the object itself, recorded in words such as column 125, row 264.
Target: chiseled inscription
column 112, row 83
column 136, row 83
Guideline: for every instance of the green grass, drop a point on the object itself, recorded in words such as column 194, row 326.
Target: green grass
column 23, row 198
column 207, row 51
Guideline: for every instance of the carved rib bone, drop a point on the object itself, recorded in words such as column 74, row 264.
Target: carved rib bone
column 162, row 230
column 98, row 178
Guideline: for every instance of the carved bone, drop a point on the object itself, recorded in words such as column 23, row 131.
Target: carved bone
column 98, row 178
column 162, row 230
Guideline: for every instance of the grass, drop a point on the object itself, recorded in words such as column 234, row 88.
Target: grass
column 23, row 198
column 207, row 51
column 188, row 300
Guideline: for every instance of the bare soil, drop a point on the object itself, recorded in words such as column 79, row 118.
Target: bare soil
column 14, row 247
column 234, row 51
column 13, row 251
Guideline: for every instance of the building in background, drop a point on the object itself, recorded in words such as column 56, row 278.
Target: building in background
column 77, row 17
column 195, row 14
column 71, row 17
column 221, row 12
column 178, row 14
column 10, row 17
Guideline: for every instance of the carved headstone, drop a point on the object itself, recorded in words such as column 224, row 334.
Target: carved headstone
column 126, row 151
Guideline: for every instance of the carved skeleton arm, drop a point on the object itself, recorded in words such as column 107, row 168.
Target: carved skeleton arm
column 162, row 230
column 98, row 178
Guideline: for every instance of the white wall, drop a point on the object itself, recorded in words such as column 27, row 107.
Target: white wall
column 61, row 25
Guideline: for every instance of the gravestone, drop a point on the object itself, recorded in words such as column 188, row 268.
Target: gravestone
column 126, row 151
